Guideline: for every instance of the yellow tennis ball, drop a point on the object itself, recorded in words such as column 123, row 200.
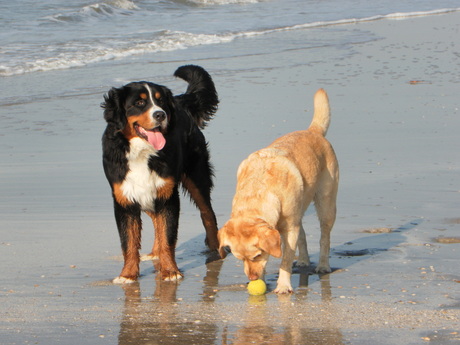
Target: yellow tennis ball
column 257, row 287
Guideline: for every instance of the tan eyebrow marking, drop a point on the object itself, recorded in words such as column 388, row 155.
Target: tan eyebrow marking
column 143, row 95
column 157, row 95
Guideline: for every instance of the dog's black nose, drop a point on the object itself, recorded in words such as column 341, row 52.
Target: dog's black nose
column 159, row 115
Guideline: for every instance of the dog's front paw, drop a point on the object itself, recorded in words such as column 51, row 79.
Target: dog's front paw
column 149, row 257
column 283, row 289
column 323, row 269
column 171, row 275
column 123, row 280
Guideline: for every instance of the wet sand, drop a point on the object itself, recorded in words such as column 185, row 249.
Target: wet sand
column 395, row 244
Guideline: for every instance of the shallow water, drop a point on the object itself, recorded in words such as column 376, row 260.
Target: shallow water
column 55, row 34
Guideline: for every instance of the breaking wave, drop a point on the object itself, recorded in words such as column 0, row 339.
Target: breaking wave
column 81, row 53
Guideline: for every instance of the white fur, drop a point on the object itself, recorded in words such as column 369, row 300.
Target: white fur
column 141, row 183
column 122, row 280
column 154, row 108
column 149, row 257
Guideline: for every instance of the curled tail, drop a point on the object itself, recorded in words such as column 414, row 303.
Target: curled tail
column 322, row 113
column 201, row 96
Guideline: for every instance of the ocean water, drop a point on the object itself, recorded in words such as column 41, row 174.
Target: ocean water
column 42, row 36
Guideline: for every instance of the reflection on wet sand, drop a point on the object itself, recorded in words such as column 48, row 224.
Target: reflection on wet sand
column 307, row 276
column 166, row 319
column 225, row 314
column 211, row 280
column 160, row 319
column 261, row 326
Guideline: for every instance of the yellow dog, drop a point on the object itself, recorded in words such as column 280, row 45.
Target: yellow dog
column 275, row 186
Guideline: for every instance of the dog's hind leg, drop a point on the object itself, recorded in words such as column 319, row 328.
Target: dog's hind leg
column 325, row 203
column 200, row 193
column 303, row 259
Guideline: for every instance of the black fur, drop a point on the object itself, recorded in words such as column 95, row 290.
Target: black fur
column 184, row 158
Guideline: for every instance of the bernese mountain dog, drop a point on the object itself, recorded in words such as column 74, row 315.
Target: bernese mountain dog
column 151, row 146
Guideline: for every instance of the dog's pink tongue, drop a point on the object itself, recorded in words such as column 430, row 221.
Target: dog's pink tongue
column 156, row 139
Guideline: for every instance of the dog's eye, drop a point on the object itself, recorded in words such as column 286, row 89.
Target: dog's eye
column 140, row 103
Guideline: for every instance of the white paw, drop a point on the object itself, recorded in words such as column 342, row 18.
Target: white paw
column 283, row 289
column 173, row 277
column 149, row 257
column 122, row 280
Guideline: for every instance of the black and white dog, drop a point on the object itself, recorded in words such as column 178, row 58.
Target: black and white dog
column 153, row 144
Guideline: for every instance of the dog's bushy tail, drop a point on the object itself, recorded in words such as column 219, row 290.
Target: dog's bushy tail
column 322, row 113
column 201, row 96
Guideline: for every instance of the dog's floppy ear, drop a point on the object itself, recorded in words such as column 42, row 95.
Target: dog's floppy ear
column 269, row 241
column 223, row 241
column 114, row 112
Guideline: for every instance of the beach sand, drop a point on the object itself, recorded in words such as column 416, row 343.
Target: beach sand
column 395, row 118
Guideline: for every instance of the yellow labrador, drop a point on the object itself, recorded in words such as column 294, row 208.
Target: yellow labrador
column 275, row 186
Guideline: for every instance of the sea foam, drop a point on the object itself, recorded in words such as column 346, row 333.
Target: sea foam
column 90, row 52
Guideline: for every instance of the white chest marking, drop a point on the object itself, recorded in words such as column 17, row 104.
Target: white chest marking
column 141, row 183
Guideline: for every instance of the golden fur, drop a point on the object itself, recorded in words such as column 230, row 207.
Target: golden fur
column 275, row 186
